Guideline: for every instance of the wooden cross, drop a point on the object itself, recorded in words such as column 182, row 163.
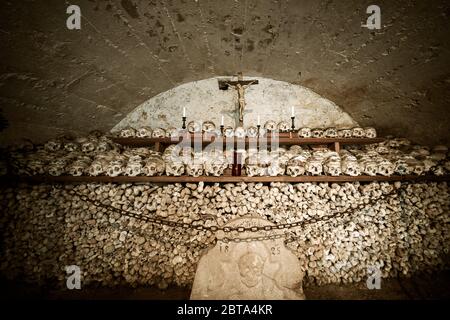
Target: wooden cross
column 240, row 85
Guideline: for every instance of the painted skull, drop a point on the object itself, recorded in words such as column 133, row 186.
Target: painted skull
column 304, row 133
column 53, row 145
column 172, row 132
column 350, row 167
column 154, row 166
column 314, row 166
column 133, row 168
column 332, row 166
column 115, row 168
column 386, row 168
column 369, row 167
column 194, row 167
column 215, row 166
column 144, row 132
column 71, row 146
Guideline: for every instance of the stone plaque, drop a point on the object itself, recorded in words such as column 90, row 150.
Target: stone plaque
column 248, row 270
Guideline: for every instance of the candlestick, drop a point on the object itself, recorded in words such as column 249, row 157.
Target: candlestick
column 293, row 124
column 221, row 129
column 258, row 126
column 184, row 111
column 184, row 122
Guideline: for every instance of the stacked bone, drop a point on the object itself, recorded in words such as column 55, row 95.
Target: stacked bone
column 45, row 229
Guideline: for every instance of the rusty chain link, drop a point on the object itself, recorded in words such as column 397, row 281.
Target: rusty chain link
column 268, row 228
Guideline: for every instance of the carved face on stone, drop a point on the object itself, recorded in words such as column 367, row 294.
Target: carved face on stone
column 358, row 132
column 144, row 132
column 304, row 133
column 208, row 126
column 174, row 168
column 127, row 133
column 283, row 126
column 194, row 126
column 317, row 133
column 252, row 132
column 270, row 126
column 240, row 133
column 330, row 133
column 370, row 132
column 251, row 267
column 158, row 133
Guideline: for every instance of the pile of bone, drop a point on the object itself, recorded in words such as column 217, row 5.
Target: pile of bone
column 270, row 126
column 44, row 229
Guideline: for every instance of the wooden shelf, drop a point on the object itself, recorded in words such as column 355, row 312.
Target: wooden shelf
column 142, row 142
column 222, row 179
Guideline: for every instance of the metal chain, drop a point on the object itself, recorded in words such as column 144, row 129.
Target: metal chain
column 268, row 228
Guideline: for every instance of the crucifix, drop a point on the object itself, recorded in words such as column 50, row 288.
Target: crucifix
column 240, row 85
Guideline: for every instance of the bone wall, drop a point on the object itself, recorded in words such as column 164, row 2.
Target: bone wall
column 44, row 229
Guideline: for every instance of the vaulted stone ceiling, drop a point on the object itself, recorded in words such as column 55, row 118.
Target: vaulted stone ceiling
column 54, row 80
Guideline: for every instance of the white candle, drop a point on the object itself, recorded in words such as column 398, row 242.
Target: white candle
column 292, row 111
column 221, row 122
column 184, row 111
column 259, row 121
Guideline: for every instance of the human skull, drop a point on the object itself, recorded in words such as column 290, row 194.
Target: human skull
column 88, row 145
column 228, row 132
column 172, row 132
column 332, row 166
column 154, row 166
column 330, row 133
column 368, row 166
column 127, row 132
column 53, row 145
column 36, row 166
column 103, row 146
column 115, row 168
column 158, row 133
column 402, row 167
column 314, row 166
column 296, row 166
column 349, row 165
column 77, row 168
column 276, row 168
column 344, row 133
column 317, row 133
column 71, row 146
column 253, row 168
column 252, row 132
column 385, row 168
column 144, row 132
column 97, row 167
column 438, row 170
column 240, row 133
column 370, row 132
column 208, row 126
column 215, row 166
column 57, row 167
column 304, row 133
column 133, row 168
column 283, row 126
column 174, row 168
column 194, row 126
column 270, row 126
column 358, row 132
column 194, row 167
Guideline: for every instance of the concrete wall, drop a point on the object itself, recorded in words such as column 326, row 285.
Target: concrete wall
column 270, row 99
